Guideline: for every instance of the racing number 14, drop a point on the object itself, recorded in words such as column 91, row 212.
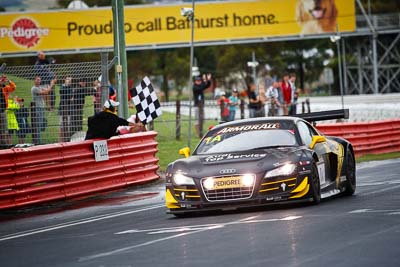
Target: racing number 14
column 100, row 150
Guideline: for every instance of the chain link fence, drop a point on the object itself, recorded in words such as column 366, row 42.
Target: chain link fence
column 51, row 102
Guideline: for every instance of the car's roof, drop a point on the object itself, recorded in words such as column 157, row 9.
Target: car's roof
column 257, row 120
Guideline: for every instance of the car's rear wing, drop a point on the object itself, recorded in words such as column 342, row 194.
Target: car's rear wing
column 324, row 115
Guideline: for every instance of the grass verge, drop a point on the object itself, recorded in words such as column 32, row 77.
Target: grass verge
column 168, row 144
column 372, row 157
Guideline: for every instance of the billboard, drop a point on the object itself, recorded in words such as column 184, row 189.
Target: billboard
column 148, row 25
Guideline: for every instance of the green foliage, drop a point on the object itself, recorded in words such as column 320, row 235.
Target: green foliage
column 381, row 6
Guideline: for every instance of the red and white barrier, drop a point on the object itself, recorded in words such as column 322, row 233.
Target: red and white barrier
column 60, row 171
column 373, row 137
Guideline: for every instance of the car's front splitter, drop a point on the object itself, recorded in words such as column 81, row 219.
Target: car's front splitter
column 226, row 206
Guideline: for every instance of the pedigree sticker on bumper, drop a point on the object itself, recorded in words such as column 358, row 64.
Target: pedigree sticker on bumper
column 229, row 182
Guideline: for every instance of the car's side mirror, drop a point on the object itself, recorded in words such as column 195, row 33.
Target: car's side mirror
column 317, row 139
column 185, row 152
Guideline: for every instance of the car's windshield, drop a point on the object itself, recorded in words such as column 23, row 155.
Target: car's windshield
column 228, row 140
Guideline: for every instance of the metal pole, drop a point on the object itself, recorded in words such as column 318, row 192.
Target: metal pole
column 375, row 63
column 190, row 84
column 340, row 71
column 359, row 69
column 120, row 51
column 337, row 41
column 104, row 77
column 345, row 81
column 374, row 46
column 253, row 56
column 367, row 18
column 369, row 8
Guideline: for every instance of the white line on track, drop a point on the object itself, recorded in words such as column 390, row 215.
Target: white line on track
column 77, row 222
column 183, row 228
column 378, row 191
column 374, row 183
column 390, row 212
column 187, row 228
column 196, row 229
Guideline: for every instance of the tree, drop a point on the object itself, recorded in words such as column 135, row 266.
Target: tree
column 381, row 6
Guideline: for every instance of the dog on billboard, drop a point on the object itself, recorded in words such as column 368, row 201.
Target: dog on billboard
column 316, row 16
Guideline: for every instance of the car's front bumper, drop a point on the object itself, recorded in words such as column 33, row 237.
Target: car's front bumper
column 272, row 191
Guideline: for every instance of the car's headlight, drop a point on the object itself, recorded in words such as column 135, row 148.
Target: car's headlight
column 209, row 183
column 248, row 180
column 284, row 170
column 181, row 179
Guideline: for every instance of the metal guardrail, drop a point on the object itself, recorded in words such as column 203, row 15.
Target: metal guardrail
column 373, row 137
column 62, row 171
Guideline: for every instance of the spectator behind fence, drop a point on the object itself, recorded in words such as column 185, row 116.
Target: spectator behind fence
column 97, row 95
column 280, row 99
column 293, row 104
column 80, row 91
column 287, row 94
column 43, row 69
column 13, row 127
column 233, row 104
column 39, row 122
column 272, row 98
column 256, row 101
column 253, row 101
column 261, row 100
column 6, row 87
column 112, row 93
column 65, row 109
column 223, row 103
column 22, row 115
column 105, row 123
column 201, row 83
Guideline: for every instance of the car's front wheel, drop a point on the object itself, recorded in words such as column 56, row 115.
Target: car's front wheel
column 315, row 186
column 350, row 175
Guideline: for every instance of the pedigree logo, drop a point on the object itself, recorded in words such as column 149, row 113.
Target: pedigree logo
column 24, row 32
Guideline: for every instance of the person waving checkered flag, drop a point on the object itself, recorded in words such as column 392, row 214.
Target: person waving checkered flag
column 145, row 99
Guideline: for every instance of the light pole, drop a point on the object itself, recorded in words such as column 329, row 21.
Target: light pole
column 253, row 64
column 336, row 39
column 189, row 14
column 121, row 70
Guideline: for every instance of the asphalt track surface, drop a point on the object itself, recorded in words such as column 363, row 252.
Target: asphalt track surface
column 131, row 228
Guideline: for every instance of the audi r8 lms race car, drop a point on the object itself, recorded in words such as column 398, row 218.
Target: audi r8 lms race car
column 261, row 161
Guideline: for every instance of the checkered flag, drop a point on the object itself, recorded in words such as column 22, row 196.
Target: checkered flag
column 145, row 99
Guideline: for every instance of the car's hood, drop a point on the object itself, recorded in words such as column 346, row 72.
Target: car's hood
column 254, row 161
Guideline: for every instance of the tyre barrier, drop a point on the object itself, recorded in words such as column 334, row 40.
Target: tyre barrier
column 373, row 137
column 62, row 171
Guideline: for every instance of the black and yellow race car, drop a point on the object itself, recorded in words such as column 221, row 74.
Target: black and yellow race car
column 261, row 161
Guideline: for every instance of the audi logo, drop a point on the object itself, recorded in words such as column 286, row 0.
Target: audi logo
column 227, row 171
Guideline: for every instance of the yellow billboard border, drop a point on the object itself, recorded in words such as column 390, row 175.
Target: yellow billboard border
column 164, row 25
